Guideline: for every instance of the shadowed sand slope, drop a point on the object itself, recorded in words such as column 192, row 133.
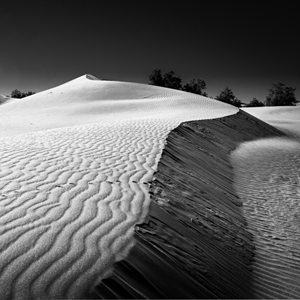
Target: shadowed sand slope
column 195, row 242
column 75, row 167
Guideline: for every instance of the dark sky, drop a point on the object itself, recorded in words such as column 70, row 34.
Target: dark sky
column 245, row 45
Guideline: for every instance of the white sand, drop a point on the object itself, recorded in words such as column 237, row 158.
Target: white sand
column 285, row 118
column 75, row 162
column 267, row 179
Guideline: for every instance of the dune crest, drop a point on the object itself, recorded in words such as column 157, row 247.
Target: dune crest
column 91, row 77
column 83, row 101
column 76, row 162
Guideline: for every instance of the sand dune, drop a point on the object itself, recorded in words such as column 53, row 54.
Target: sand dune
column 198, row 231
column 267, row 181
column 85, row 100
column 224, row 217
column 75, row 166
column 76, row 163
column 286, row 118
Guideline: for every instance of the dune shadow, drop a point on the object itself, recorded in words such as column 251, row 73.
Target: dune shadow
column 195, row 242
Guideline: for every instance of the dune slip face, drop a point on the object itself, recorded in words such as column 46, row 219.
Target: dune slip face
column 196, row 233
column 75, row 166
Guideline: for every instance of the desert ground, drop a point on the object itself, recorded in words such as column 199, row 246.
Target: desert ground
column 123, row 190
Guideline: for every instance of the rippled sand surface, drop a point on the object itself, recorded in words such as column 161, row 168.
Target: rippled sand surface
column 75, row 167
column 267, row 179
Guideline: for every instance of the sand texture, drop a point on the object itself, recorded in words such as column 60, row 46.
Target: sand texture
column 268, row 182
column 202, row 223
column 75, row 166
column 285, row 118
column 270, row 189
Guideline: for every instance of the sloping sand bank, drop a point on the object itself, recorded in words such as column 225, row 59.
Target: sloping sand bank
column 3, row 99
column 196, row 242
column 285, row 118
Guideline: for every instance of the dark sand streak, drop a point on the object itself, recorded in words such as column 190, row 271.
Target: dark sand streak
column 195, row 242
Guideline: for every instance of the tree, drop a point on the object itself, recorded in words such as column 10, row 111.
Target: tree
column 236, row 102
column 195, row 86
column 281, row 95
column 18, row 94
column 227, row 96
column 171, row 81
column 29, row 93
column 168, row 80
column 156, row 78
column 255, row 103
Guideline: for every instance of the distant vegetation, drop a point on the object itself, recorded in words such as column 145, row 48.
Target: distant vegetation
column 169, row 80
column 195, row 86
column 227, row 96
column 255, row 103
column 279, row 94
column 18, row 94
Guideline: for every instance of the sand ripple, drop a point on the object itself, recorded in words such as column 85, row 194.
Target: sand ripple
column 70, row 197
column 268, row 181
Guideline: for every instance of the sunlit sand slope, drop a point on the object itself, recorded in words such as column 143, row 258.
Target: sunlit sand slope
column 85, row 100
column 75, row 166
column 286, row 118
